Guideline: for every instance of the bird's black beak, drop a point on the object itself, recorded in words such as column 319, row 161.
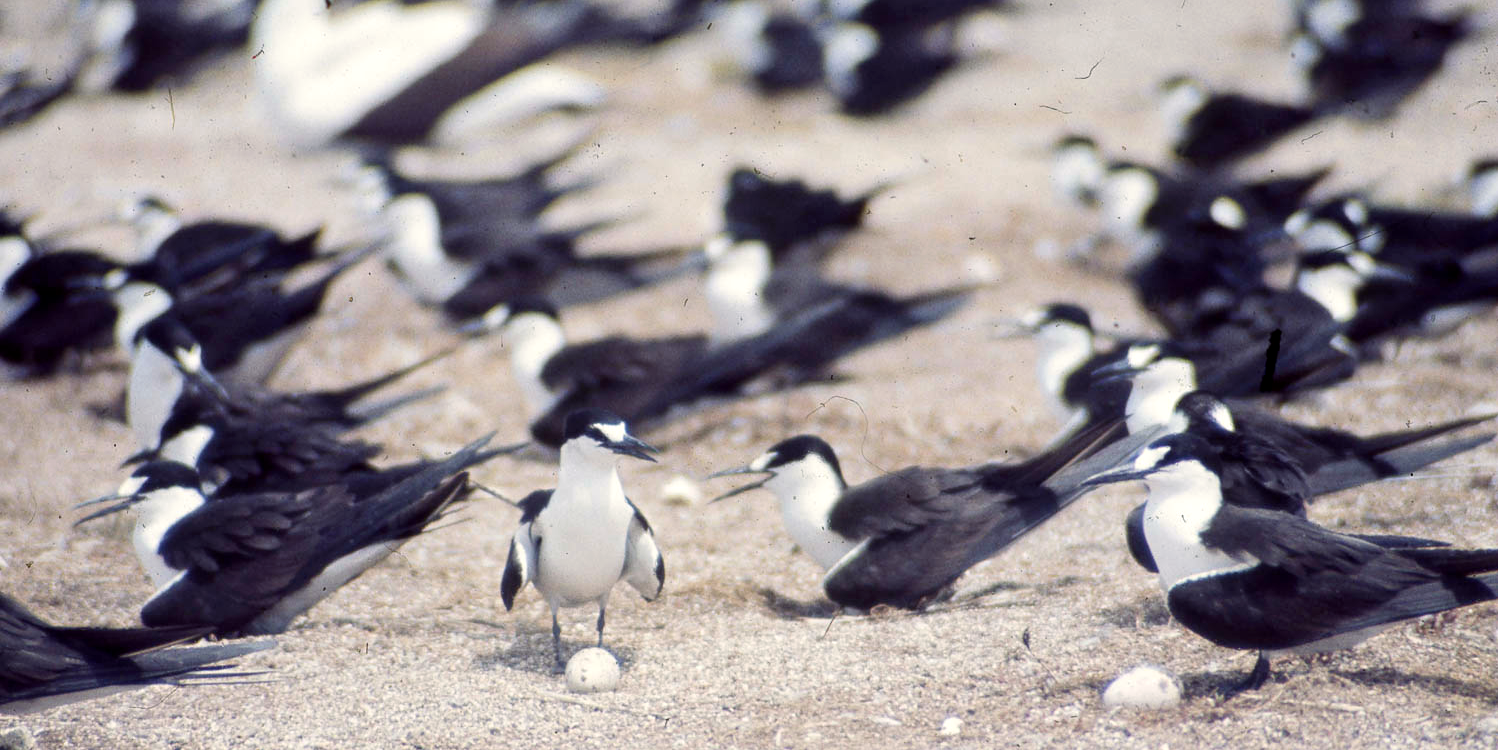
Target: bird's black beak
column 1114, row 372
column 125, row 501
column 745, row 488
column 630, row 445
column 1012, row 328
column 209, row 383
column 135, row 458
column 485, row 324
column 1113, row 476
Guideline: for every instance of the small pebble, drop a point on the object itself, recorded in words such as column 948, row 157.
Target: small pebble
column 592, row 670
column 681, row 491
column 17, row 738
column 1144, row 687
column 1488, row 724
column 951, row 727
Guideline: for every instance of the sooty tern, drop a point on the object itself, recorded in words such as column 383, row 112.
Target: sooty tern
column 1274, row 464
column 249, row 564
column 1212, row 129
column 578, row 540
column 749, row 294
column 245, row 330
column 43, row 666
column 903, row 538
column 1268, row 581
column 1365, row 63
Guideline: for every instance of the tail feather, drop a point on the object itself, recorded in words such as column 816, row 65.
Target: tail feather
column 127, row 641
column 1352, row 472
column 344, row 397
column 1388, row 441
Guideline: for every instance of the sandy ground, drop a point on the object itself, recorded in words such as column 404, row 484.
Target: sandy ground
column 419, row 652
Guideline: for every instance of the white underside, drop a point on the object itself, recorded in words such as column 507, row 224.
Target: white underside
column 319, row 71
column 584, row 532
column 344, row 569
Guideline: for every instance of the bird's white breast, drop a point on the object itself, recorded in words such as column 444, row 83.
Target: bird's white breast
column 583, row 532
column 156, row 515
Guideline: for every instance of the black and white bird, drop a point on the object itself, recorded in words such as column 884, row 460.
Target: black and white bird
column 575, row 542
column 800, row 223
column 1274, row 464
column 1482, row 187
column 1211, row 129
column 388, row 72
column 903, row 538
column 749, row 293
column 210, row 253
column 248, row 439
column 636, row 378
column 1069, row 364
column 468, row 246
column 1275, row 583
column 249, row 564
column 245, row 330
column 43, row 666
column 779, row 50
column 1364, row 58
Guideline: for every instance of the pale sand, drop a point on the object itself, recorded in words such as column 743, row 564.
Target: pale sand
column 419, row 652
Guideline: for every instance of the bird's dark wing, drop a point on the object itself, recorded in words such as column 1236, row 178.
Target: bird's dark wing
column 922, row 529
column 1258, row 474
column 619, row 374
column 38, row 658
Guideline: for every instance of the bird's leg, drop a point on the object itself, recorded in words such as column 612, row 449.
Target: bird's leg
column 1255, row 680
column 601, row 608
column 556, row 640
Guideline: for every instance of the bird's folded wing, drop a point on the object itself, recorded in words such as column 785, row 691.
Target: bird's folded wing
column 644, row 568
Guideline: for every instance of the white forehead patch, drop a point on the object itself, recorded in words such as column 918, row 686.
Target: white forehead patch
column 1150, row 457
column 1222, row 416
column 1143, row 354
column 614, row 432
column 760, row 463
column 496, row 317
column 1355, row 210
column 1361, row 263
column 1227, row 212
column 115, row 279
column 131, row 485
column 191, row 359
column 1323, row 235
column 717, row 246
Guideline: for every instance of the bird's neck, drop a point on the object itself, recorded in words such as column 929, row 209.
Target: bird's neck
column 807, row 494
column 1333, row 287
column 1061, row 348
column 413, row 248
column 1180, row 508
column 589, row 479
column 155, row 385
column 1154, row 392
column 138, row 303
column 155, row 517
column 533, row 340
column 736, row 292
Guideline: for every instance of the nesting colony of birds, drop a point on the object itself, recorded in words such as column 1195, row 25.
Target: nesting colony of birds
column 452, row 373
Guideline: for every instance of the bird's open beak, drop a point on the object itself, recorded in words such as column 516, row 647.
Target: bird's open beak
column 1114, row 372
column 633, row 446
column 745, row 488
column 125, row 501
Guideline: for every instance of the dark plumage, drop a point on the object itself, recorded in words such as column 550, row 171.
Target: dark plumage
column 43, row 666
